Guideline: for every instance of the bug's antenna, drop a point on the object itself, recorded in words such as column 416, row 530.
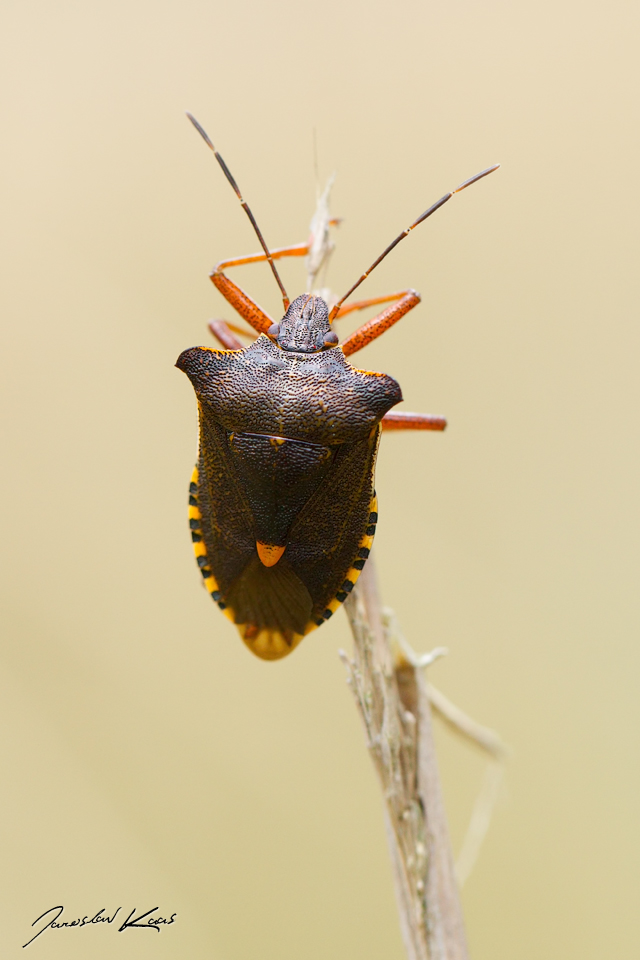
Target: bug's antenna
column 245, row 207
column 432, row 209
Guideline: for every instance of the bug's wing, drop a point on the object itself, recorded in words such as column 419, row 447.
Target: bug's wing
column 226, row 519
column 332, row 530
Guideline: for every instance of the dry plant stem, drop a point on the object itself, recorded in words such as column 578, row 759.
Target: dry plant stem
column 394, row 706
column 462, row 723
column 489, row 742
column 470, row 730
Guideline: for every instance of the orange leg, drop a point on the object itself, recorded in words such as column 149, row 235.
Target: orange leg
column 224, row 334
column 295, row 250
column 372, row 301
column 413, row 421
column 377, row 325
column 258, row 318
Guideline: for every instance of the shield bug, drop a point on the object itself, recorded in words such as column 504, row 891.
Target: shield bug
column 282, row 506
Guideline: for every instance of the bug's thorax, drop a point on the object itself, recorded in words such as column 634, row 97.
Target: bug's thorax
column 305, row 327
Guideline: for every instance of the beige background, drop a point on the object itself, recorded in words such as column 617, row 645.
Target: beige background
column 148, row 759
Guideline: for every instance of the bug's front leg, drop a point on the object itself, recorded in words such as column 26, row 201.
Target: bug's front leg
column 373, row 328
column 242, row 302
column 248, row 309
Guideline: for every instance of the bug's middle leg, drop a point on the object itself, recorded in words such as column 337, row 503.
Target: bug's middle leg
column 225, row 333
column 373, row 328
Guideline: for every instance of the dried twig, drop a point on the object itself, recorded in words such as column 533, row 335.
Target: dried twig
column 473, row 732
column 393, row 701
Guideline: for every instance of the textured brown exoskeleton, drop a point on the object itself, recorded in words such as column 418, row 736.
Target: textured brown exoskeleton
column 282, row 502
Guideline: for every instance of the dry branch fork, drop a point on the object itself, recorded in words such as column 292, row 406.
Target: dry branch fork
column 393, row 698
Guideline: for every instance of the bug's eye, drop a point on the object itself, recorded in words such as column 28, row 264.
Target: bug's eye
column 274, row 331
column 330, row 339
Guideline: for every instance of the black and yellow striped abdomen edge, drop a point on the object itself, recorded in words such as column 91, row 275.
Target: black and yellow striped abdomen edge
column 269, row 643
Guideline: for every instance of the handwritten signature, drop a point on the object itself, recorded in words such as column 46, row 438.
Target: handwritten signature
column 143, row 922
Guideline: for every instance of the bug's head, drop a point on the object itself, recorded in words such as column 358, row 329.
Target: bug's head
column 305, row 327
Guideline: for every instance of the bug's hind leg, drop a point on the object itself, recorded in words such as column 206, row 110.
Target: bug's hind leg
column 225, row 333
column 413, row 421
column 377, row 325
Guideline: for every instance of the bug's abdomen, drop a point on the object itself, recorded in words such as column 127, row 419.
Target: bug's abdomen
column 317, row 502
